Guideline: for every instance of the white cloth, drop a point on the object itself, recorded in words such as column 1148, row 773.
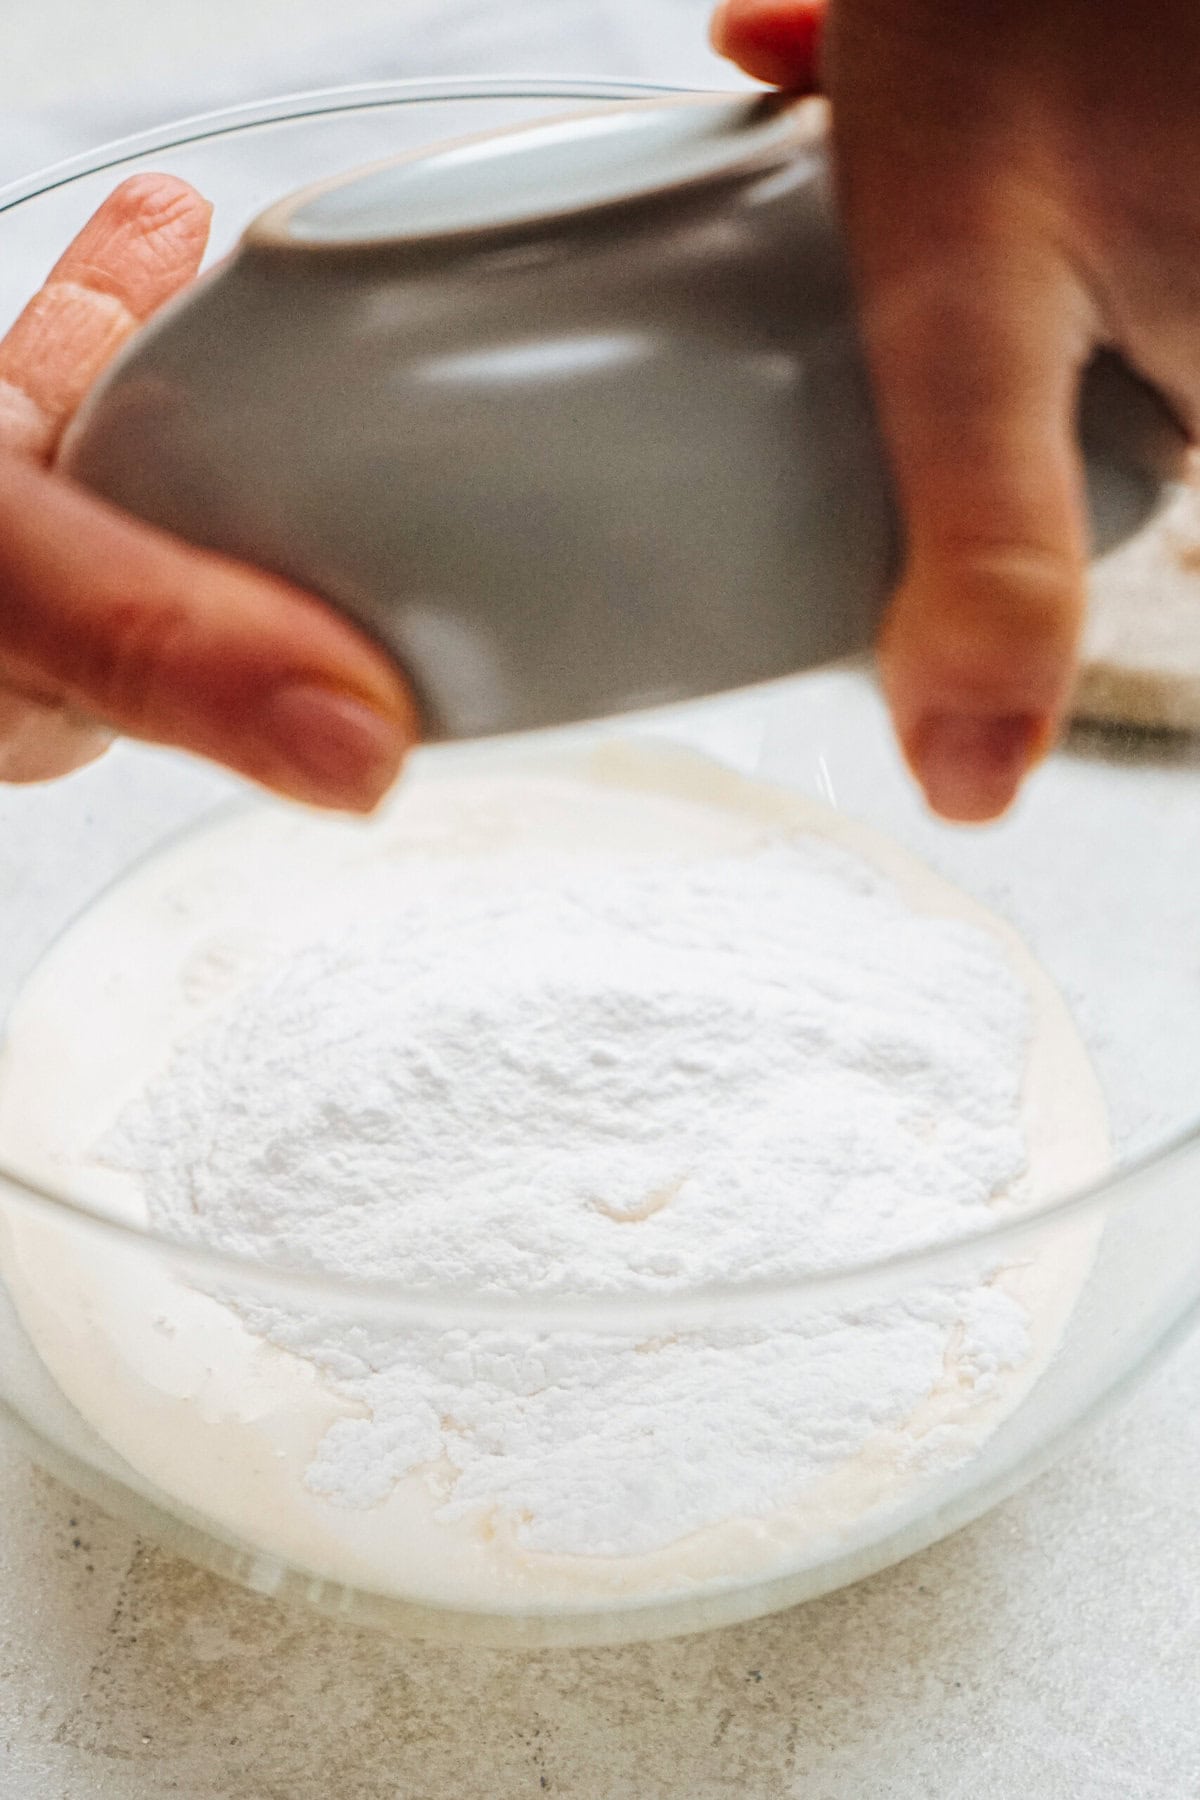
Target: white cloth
column 649, row 40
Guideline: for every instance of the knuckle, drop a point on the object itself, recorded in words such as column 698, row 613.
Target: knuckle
column 136, row 645
column 40, row 740
column 989, row 620
column 69, row 306
column 1013, row 589
column 26, row 428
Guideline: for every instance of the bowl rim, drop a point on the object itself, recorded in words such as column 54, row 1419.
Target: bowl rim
column 744, row 1299
column 306, row 103
column 781, row 119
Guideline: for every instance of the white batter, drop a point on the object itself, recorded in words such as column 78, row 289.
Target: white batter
column 230, row 1426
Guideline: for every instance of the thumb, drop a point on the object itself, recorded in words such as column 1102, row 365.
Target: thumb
column 977, row 371
column 977, row 328
column 103, row 616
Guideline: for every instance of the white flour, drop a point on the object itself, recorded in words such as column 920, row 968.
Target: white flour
column 624, row 1025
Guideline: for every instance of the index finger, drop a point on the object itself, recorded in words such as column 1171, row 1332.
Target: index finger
column 142, row 246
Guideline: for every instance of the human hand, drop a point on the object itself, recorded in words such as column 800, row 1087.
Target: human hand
column 1017, row 184
column 107, row 625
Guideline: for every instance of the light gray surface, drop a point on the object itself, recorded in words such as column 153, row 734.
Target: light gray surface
column 1051, row 1652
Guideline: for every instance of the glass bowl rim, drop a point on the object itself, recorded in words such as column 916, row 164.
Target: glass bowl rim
column 744, row 1299
column 280, row 109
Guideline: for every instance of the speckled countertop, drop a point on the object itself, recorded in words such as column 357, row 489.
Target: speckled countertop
column 1051, row 1651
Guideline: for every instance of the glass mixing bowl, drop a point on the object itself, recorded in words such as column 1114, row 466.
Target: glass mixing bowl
column 1097, row 869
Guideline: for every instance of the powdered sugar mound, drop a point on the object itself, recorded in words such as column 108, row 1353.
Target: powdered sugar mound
column 563, row 1073
column 542, row 1076
column 615, row 1447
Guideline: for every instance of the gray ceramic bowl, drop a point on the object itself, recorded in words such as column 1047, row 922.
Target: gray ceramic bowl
column 571, row 417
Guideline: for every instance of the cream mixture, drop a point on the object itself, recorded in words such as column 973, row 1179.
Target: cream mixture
column 616, row 1022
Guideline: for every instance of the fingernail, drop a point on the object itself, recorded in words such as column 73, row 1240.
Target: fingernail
column 336, row 749
column 971, row 767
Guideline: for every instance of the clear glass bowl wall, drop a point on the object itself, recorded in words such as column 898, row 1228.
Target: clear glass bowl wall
column 1098, row 869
